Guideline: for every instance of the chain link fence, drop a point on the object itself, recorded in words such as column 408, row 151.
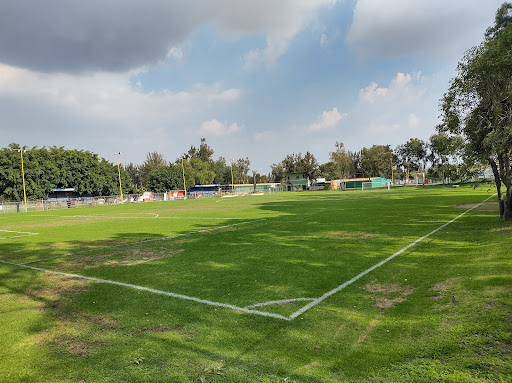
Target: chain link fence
column 58, row 204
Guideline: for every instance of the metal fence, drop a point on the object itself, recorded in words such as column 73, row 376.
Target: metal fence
column 57, row 204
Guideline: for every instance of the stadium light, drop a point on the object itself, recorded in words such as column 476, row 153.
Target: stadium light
column 21, row 150
column 184, row 184
column 232, row 183
column 119, row 172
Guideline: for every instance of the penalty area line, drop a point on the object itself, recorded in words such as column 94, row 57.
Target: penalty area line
column 154, row 291
column 360, row 275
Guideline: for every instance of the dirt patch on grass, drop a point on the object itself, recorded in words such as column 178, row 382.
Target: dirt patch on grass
column 347, row 235
column 485, row 207
column 442, row 288
column 127, row 256
column 388, row 294
column 79, row 335
column 156, row 330
column 55, row 287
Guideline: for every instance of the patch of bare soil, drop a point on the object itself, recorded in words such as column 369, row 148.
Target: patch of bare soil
column 485, row 207
column 126, row 256
column 158, row 330
column 56, row 287
column 388, row 294
column 442, row 288
column 347, row 235
column 77, row 334
column 64, row 221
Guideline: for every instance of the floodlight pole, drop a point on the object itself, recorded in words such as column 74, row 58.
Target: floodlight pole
column 232, row 182
column 119, row 172
column 391, row 161
column 23, row 179
column 184, row 184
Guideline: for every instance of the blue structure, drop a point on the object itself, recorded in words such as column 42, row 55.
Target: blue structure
column 65, row 194
column 199, row 190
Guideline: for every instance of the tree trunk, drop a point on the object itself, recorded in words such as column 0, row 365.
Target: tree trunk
column 507, row 180
column 497, row 180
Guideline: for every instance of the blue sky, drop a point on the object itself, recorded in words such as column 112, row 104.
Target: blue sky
column 258, row 80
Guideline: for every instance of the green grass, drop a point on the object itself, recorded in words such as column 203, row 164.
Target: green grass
column 440, row 311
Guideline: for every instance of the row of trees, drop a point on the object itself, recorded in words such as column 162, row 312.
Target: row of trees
column 444, row 154
column 56, row 167
column 197, row 166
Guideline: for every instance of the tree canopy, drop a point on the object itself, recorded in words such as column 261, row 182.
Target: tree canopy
column 478, row 104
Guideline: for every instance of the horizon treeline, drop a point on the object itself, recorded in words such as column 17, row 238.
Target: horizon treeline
column 56, row 167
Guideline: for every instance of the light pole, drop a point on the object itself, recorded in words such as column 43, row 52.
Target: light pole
column 21, row 150
column 232, row 183
column 184, row 184
column 119, row 172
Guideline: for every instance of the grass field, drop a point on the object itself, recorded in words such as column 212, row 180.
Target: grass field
column 276, row 288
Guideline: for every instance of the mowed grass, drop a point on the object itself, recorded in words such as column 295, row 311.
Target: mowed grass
column 440, row 311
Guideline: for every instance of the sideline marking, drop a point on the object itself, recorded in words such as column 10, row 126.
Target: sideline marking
column 26, row 234
column 268, row 303
column 343, row 285
column 142, row 241
column 155, row 291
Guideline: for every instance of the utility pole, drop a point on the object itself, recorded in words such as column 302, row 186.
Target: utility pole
column 184, row 185
column 119, row 172
column 21, row 150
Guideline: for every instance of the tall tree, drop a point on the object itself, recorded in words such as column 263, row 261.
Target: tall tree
column 342, row 158
column 308, row 165
column 377, row 161
column 153, row 160
column 478, row 104
column 242, row 168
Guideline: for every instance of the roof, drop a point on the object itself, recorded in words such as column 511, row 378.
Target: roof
column 355, row 179
column 207, row 186
column 63, row 190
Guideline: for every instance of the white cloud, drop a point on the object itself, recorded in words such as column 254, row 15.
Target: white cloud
column 218, row 128
column 414, row 121
column 102, row 110
column 328, row 119
column 435, row 28
column 406, row 107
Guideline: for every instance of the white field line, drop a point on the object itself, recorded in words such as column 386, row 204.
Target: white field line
column 154, row 291
column 342, row 286
column 268, row 303
column 135, row 217
column 25, row 234
column 142, row 241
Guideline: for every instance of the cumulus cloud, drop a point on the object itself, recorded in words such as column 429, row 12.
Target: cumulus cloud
column 414, row 121
column 391, row 112
column 103, row 112
column 434, row 28
column 328, row 119
column 218, row 128
column 119, row 35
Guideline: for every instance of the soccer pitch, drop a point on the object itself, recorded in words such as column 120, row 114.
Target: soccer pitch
column 280, row 258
